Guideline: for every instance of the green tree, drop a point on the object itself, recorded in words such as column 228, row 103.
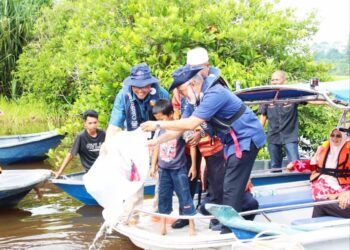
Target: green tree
column 17, row 19
column 83, row 49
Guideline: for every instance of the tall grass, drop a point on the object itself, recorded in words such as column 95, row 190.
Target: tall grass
column 17, row 18
column 22, row 116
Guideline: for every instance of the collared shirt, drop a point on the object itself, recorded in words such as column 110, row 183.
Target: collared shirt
column 282, row 122
column 118, row 115
column 220, row 102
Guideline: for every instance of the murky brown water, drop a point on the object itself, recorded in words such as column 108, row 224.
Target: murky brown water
column 56, row 221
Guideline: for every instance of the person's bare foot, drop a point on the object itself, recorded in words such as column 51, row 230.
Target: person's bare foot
column 133, row 221
column 192, row 229
column 163, row 226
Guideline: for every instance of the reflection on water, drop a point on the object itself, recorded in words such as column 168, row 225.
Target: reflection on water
column 56, row 221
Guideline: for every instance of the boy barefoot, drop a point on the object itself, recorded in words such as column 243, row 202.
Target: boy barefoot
column 171, row 169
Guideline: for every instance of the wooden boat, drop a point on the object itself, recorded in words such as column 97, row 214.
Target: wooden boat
column 27, row 148
column 16, row 184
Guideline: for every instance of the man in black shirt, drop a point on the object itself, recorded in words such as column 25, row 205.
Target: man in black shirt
column 282, row 129
column 87, row 143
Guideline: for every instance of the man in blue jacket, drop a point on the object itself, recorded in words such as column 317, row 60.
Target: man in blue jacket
column 132, row 106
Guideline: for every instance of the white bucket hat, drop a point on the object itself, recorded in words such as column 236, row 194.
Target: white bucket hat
column 197, row 56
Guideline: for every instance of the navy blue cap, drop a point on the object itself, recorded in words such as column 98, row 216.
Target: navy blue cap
column 140, row 76
column 183, row 74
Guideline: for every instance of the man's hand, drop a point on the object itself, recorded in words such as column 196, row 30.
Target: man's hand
column 344, row 199
column 103, row 149
column 290, row 166
column 193, row 172
column 152, row 143
column 153, row 171
column 56, row 174
column 194, row 138
column 149, row 126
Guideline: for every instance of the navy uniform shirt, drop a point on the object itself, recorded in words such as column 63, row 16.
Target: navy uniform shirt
column 282, row 122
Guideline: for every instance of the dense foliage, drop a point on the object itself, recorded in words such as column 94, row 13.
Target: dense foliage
column 17, row 18
column 85, row 48
column 338, row 57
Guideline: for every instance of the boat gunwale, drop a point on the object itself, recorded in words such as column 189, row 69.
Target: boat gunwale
column 36, row 137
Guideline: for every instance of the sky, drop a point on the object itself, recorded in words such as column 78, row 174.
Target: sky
column 333, row 15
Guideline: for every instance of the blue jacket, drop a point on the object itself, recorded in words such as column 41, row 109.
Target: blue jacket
column 129, row 112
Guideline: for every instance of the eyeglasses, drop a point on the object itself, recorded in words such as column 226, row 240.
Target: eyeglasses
column 336, row 136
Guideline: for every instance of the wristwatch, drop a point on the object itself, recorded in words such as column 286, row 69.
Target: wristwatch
column 157, row 125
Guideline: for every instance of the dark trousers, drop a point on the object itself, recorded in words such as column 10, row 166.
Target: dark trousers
column 331, row 210
column 236, row 177
column 215, row 172
column 249, row 203
column 194, row 182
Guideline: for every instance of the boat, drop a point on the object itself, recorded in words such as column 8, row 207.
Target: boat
column 16, row 184
column 28, row 147
column 74, row 186
column 283, row 221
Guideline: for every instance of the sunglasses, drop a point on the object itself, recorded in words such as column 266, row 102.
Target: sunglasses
column 336, row 136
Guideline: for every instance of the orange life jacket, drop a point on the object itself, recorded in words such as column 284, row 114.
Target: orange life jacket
column 209, row 146
column 342, row 171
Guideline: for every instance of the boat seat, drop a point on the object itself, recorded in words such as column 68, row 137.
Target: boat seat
column 315, row 220
column 285, row 199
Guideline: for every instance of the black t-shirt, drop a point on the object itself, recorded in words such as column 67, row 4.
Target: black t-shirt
column 88, row 147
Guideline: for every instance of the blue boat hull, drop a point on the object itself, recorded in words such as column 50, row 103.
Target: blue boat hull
column 29, row 151
column 12, row 197
column 78, row 190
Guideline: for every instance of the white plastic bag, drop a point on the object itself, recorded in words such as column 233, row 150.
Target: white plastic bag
column 118, row 174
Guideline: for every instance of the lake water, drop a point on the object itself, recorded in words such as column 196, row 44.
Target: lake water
column 56, row 221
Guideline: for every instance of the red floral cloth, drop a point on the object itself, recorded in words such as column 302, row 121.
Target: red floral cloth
column 323, row 185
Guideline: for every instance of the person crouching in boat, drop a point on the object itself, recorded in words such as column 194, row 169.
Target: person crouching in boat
column 172, row 171
column 330, row 177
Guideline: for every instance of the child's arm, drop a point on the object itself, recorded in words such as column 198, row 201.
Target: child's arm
column 193, row 170
column 154, row 163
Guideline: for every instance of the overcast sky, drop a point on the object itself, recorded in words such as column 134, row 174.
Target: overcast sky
column 333, row 16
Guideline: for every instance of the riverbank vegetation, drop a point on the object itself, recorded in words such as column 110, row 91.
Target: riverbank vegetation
column 17, row 19
column 25, row 116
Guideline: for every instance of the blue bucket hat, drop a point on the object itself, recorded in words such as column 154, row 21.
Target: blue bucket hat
column 183, row 74
column 140, row 76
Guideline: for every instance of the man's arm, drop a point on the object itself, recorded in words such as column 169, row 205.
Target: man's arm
column 66, row 160
column 167, row 136
column 112, row 130
column 344, row 199
column 181, row 125
column 154, row 163
column 263, row 119
column 117, row 120
column 193, row 170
